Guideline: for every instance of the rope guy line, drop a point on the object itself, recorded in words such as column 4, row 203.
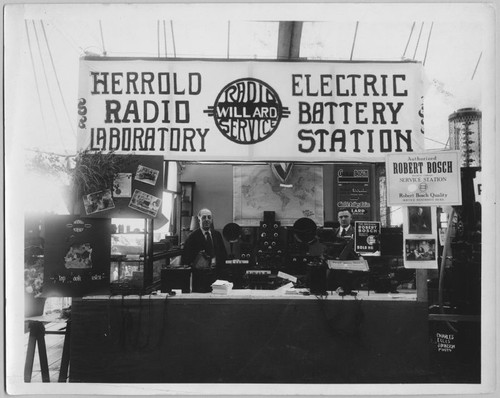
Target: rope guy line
column 428, row 41
column 102, row 38
column 477, row 64
column 354, row 39
column 418, row 40
column 57, row 79
column 228, row 37
column 165, row 37
column 48, row 86
column 173, row 37
column 409, row 38
column 36, row 81
column 158, row 36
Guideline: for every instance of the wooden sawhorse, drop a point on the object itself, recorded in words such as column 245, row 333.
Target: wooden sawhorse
column 37, row 335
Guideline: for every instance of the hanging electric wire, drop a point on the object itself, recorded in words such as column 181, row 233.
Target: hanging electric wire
column 57, row 79
column 477, row 64
column 165, row 38
column 428, row 41
column 228, row 37
column 173, row 37
column 102, row 38
column 409, row 38
column 48, row 88
column 418, row 40
column 354, row 39
column 36, row 80
column 438, row 142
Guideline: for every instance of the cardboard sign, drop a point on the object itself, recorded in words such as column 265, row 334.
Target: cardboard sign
column 367, row 238
column 426, row 179
column 212, row 110
column 77, row 256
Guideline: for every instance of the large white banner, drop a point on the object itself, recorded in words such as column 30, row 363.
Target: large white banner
column 251, row 110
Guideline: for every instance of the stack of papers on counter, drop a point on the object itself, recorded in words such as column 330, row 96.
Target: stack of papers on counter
column 221, row 287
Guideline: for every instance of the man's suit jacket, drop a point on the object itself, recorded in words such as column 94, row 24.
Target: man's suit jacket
column 349, row 232
column 196, row 242
column 344, row 245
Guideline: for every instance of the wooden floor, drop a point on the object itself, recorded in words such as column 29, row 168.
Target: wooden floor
column 54, row 344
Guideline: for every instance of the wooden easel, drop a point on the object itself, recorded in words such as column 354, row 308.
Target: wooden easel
column 37, row 335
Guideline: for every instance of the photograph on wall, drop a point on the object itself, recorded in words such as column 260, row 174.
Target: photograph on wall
column 420, row 220
column 122, row 185
column 146, row 175
column 420, row 253
column 145, row 203
column 256, row 189
column 98, row 201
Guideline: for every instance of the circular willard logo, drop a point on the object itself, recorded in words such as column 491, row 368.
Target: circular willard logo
column 247, row 111
column 78, row 225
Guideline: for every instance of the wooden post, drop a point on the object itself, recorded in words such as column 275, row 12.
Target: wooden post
column 289, row 36
column 421, row 281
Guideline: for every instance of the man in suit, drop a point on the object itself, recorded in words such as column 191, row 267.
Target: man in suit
column 345, row 230
column 207, row 241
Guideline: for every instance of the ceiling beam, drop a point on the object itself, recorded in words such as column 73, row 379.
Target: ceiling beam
column 289, row 36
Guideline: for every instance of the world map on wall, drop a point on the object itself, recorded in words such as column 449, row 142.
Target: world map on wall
column 256, row 189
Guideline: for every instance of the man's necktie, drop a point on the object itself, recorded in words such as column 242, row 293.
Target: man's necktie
column 344, row 232
column 210, row 244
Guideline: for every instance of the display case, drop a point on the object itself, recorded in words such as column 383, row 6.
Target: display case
column 128, row 276
column 135, row 269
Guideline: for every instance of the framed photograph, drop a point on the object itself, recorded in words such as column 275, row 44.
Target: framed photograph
column 122, row 185
column 146, row 175
column 145, row 203
column 420, row 253
column 98, row 201
column 419, row 220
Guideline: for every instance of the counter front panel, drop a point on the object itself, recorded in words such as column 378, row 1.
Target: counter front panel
column 248, row 340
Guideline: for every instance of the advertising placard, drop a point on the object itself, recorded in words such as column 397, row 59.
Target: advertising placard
column 426, row 179
column 355, row 189
column 367, row 238
column 76, row 256
column 213, row 110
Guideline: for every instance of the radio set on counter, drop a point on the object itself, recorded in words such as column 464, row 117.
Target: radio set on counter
column 270, row 249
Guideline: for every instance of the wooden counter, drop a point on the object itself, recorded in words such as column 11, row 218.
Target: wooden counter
column 249, row 337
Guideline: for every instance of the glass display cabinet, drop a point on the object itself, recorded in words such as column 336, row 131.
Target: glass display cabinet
column 135, row 265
